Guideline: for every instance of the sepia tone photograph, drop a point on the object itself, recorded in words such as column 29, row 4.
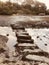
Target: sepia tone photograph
column 24, row 32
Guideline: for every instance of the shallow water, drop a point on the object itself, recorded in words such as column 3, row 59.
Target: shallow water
column 8, row 32
column 41, row 37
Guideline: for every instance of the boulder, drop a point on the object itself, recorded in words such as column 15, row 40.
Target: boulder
column 3, row 41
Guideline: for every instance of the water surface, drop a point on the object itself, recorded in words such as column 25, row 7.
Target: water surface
column 41, row 37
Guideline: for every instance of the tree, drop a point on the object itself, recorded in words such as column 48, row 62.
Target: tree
column 41, row 7
column 47, row 12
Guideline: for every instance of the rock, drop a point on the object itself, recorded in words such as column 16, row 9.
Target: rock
column 17, row 27
column 37, row 58
column 43, row 64
column 19, row 30
column 20, row 36
column 3, row 41
column 26, row 45
column 22, row 33
column 25, row 41
column 37, row 36
column 1, row 59
column 32, row 51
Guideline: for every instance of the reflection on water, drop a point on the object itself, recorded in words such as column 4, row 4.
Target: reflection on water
column 41, row 37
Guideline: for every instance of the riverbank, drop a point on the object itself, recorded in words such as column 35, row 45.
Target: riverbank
column 26, row 21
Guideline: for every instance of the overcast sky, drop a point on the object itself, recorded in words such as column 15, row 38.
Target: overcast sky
column 44, row 1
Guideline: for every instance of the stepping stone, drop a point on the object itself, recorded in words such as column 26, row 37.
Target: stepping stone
column 23, row 37
column 25, row 41
column 26, row 45
column 36, row 52
column 19, row 30
column 31, row 51
column 22, row 33
column 17, row 27
column 23, row 47
column 36, row 58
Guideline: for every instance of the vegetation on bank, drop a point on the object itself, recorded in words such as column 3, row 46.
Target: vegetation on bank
column 9, row 8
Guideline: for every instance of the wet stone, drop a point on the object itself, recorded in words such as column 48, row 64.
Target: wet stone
column 26, row 45
column 17, row 27
column 23, row 36
column 25, row 41
column 19, row 30
column 35, row 51
column 36, row 58
column 22, row 33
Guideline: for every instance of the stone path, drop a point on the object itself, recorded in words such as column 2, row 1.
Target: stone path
column 29, row 50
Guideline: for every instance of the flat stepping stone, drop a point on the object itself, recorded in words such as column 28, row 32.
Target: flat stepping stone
column 36, row 58
column 17, row 27
column 26, row 45
column 19, row 30
column 20, row 36
column 25, row 41
column 31, row 51
column 36, row 52
column 22, row 33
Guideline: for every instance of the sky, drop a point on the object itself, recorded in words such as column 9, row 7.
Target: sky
column 20, row 1
column 46, row 2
